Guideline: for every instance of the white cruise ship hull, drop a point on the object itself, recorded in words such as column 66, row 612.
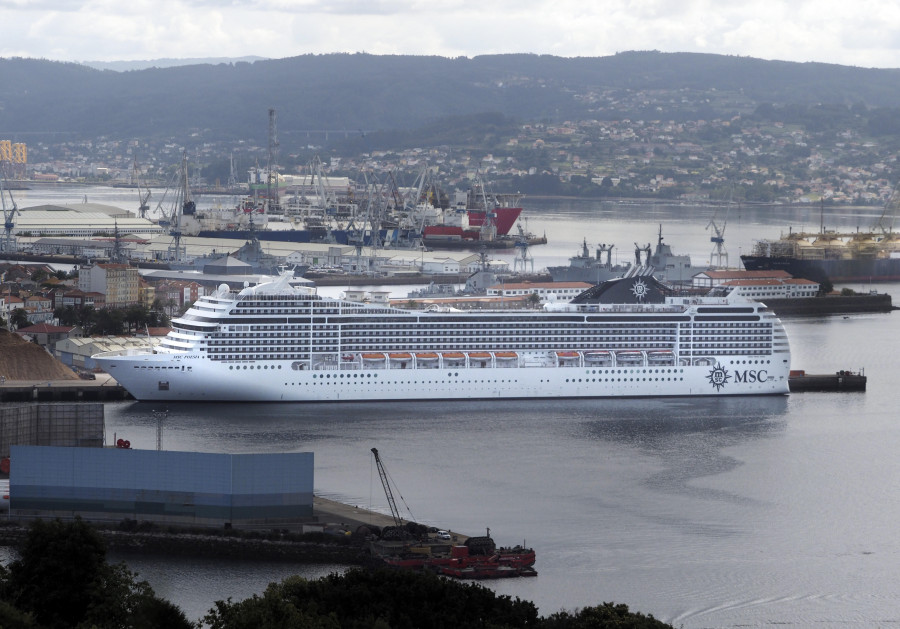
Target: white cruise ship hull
column 278, row 343
column 161, row 377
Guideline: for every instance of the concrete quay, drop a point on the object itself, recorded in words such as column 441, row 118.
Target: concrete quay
column 103, row 389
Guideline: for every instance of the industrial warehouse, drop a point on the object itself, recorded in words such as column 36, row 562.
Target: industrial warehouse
column 58, row 469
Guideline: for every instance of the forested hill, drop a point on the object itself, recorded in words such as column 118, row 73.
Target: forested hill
column 366, row 92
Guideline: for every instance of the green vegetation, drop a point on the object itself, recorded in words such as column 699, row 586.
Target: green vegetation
column 112, row 321
column 62, row 579
column 361, row 599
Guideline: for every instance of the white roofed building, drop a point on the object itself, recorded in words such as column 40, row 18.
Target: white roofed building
column 83, row 220
column 547, row 291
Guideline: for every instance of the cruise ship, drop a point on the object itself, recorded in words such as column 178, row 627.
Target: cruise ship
column 275, row 342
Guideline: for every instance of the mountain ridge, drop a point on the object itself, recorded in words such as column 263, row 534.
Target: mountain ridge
column 362, row 92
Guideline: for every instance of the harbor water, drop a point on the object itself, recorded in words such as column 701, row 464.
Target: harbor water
column 741, row 512
column 705, row 513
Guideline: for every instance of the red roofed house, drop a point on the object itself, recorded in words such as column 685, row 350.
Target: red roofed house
column 562, row 291
column 708, row 279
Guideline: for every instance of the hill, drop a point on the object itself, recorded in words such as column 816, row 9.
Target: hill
column 358, row 93
column 21, row 360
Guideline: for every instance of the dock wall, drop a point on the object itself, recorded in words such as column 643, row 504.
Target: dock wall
column 62, row 391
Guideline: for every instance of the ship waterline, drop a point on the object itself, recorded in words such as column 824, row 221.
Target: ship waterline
column 278, row 343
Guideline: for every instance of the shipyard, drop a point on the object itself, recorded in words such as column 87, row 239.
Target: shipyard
column 562, row 331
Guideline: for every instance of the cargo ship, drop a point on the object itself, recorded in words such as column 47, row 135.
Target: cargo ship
column 833, row 256
column 632, row 337
column 830, row 256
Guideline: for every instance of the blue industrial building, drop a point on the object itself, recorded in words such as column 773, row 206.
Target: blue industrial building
column 199, row 488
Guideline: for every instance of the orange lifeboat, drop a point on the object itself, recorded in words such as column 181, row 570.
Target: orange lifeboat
column 400, row 356
column 453, row 355
column 506, row 355
column 427, row 356
column 373, row 356
column 567, row 355
column 629, row 356
column 479, row 355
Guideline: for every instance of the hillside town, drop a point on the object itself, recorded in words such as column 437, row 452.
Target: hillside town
column 762, row 154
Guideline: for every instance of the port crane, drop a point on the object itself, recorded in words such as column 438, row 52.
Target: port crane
column 400, row 532
column 392, row 504
column 719, row 255
column 136, row 181
column 183, row 205
column 8, row 245
column 523, row 258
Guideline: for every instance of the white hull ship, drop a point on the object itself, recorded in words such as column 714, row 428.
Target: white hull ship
column 625, row 338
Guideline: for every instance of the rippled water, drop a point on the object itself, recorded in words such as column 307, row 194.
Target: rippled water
column 705, row 513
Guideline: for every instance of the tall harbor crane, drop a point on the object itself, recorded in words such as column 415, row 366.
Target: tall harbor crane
column 136, row 181
column 272, row 167
column 719, row 256
column 8, row 244
column 385, row 482
column 183, row 205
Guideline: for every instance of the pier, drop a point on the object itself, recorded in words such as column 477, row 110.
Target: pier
column 103, row 389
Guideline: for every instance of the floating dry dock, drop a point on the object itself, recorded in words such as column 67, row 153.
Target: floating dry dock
column 799, row 381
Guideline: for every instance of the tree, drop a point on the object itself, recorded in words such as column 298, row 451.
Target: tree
column 379, row 599
column 109, row 321
column 362, row 599
column 19, row 319
column 67, row 315
column 136, row 316
column 62, row 579
column 606, row 616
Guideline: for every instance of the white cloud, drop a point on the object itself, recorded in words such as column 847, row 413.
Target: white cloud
column 863, row 33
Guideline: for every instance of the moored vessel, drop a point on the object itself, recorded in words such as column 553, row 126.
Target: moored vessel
column 834, row 256
column 275, row 342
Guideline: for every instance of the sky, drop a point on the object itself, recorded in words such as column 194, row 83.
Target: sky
column 863, row 33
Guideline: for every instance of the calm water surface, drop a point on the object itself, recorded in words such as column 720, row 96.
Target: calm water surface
column 705, row 513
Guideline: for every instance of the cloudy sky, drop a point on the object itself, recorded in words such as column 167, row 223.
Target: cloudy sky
column 847, row 32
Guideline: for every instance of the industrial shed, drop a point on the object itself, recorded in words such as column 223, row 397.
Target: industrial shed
column 196, row 488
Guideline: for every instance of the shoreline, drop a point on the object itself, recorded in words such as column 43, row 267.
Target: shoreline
column 342, row 538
